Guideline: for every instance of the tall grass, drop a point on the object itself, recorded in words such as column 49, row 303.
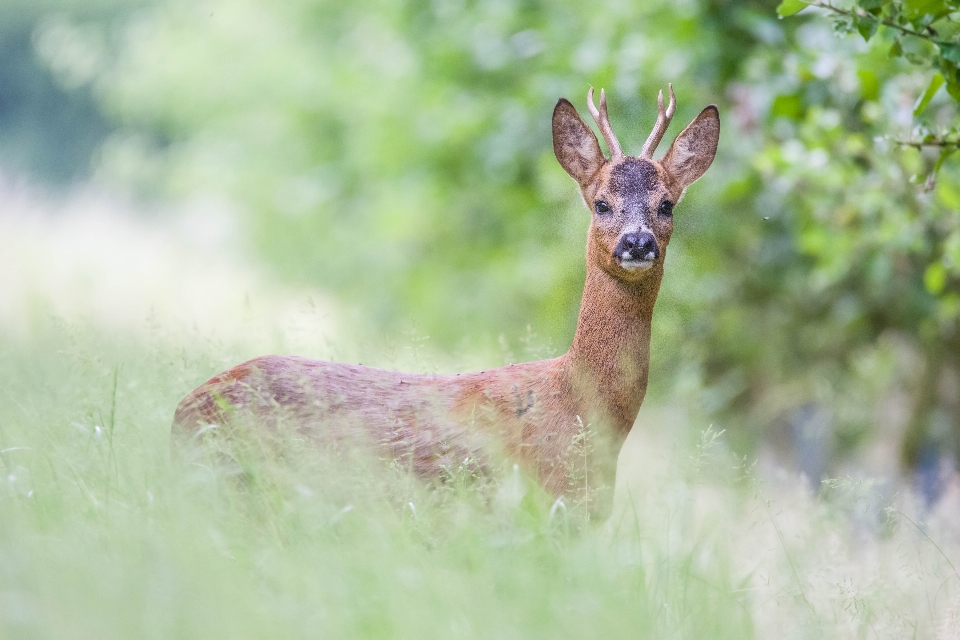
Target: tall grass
column 103, row 535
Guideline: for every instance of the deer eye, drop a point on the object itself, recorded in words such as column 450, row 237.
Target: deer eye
column 666, row 208
column 602, row 207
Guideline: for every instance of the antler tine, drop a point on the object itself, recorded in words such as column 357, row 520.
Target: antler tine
column 600, row 117
column 663, row 121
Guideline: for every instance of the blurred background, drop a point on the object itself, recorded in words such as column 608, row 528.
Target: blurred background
column 353, row 180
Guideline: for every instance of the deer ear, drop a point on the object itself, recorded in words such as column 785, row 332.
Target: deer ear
column 575, row 145
column 692, row 153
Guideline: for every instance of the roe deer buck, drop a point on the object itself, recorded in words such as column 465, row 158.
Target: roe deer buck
column 533, row 411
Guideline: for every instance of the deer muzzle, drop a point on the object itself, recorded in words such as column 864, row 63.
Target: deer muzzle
column 636, row 251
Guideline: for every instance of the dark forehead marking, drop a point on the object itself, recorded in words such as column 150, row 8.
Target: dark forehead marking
column 633, row 180
column 635, row 172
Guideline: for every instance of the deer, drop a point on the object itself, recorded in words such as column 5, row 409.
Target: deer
column 530, row 412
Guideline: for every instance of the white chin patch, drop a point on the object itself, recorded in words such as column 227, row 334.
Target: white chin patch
column 636, row 265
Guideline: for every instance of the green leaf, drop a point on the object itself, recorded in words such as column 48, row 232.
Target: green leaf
column 896, row 49
column 947, row 68
column 842, row 26
column 945, row 153
column 788, row 8
column 935, row 83
column 915, row 9
column 954, row 90
column 866, row 26
column 950, row 51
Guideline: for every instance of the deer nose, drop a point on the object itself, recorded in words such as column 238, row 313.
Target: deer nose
column 637, row 246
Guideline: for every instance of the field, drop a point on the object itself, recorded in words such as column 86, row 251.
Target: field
column 103, row 535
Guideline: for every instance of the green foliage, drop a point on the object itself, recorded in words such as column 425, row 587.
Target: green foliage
column 858, row 186
column 399, row 155
column 924, row 32
column 788, row 8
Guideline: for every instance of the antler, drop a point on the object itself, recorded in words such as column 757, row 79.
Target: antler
column 663, row 121
column 600, row 117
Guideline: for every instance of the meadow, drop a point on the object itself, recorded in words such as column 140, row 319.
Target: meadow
column 104, row 534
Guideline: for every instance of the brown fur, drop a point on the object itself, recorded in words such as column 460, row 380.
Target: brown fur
column 531, row 412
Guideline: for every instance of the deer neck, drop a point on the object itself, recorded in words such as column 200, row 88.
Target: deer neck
column 610, row 355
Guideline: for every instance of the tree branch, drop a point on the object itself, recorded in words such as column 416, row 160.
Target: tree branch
column 936, row 142
column 886, row 23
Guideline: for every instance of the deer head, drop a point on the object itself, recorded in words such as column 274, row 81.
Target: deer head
column 632, row 198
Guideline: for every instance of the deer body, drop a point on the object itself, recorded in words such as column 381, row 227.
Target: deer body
column 531, row 412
